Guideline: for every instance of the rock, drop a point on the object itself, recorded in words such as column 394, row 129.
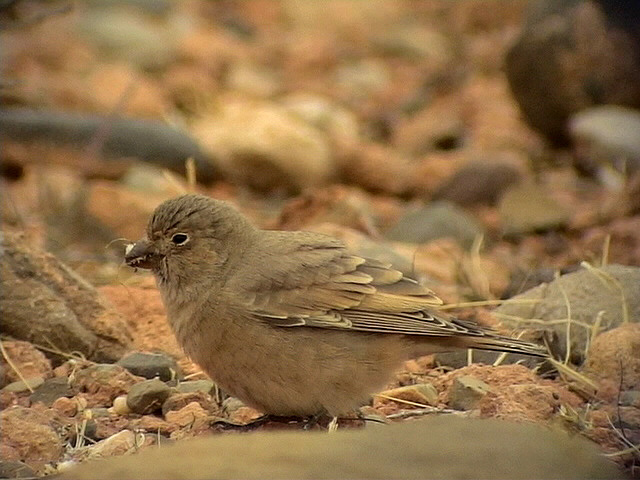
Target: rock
column 124, row 210
column 120, row 406
column 534, row 403
column 415, row 41
column 65, row 406
column 478, row 183
column 529, row 208
column 630, row 398
column 16, row 469
column 467, row 391
column 237, row 412
column 192, row 415
column 30, row 361
column 31, row 434
column 523, row 280
column 337, row 204
column 176, row 401
column 356, row 80
column 147, row 396
column 253, row 79
column 378, row 168
column 459, row 358
column 439, row 126
column 420, row 449
column 51, row 390
column 339, row 124
column 614, row 356
column 151, row 365
column 120, row 443
column 29, row 384
column 571, row 55
column 606, row 137
column 515, row 392
column 130, row 36
column 264, row 146
column 69, row 314
column 103, row 383
column 613, row 290
column 437, row 220
column 153, row 425
column 423, row 393
column 205, row 386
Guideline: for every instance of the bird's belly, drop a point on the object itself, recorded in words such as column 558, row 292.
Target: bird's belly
column 298, row 370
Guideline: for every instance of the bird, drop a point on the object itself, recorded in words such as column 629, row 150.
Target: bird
column 292, row 323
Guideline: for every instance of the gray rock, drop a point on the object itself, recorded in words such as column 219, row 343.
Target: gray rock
column 606, row 137
column 147, row 396
column 466, row 392
column 630, row 398
column 205, row 386
column 23, row 386
column 478, row 183
column 523, row 280
column 151, row 365
column 613, row 290
column 437, row 220
column 528, row 208
column 441, row 447
column 124, row 34
column 459, row 358
column 572, row 54
column 51, row 390
column 16, row 469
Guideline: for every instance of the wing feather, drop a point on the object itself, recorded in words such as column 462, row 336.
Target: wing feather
column 324, row 286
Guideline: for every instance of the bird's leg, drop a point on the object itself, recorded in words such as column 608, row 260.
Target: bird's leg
column 313, row 420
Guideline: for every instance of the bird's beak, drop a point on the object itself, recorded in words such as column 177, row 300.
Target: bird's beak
column 141, row 254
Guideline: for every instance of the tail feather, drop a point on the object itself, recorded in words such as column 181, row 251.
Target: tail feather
column 497, row 343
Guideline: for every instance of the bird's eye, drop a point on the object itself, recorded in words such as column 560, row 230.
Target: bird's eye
column 180, row 238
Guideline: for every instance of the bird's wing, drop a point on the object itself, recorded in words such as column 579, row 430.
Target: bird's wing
column 320, row 284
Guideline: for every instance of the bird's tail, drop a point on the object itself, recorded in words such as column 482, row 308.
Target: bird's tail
column 499, row 343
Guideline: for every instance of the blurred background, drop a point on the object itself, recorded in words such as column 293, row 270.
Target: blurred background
column 481, row 146
column 477, row 118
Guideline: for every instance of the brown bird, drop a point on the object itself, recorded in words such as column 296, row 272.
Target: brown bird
column 292, row 323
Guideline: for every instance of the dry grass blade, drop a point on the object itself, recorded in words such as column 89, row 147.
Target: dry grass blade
column 402, row 414
column 632, row 449
column 489, row 303
column 569, row 372
column 400, row 400
column 568, row 327
column 622, row 437
column 53, row 349
column 14, row 368
column 595, row 329
column 539, row 321
column 604, row 261
column 609, row 281
column 472, row 268
column 190, row 168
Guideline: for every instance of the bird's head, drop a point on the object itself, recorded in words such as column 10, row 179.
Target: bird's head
column 189, row 239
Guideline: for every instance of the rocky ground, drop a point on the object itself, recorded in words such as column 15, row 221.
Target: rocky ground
column 397, row 126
